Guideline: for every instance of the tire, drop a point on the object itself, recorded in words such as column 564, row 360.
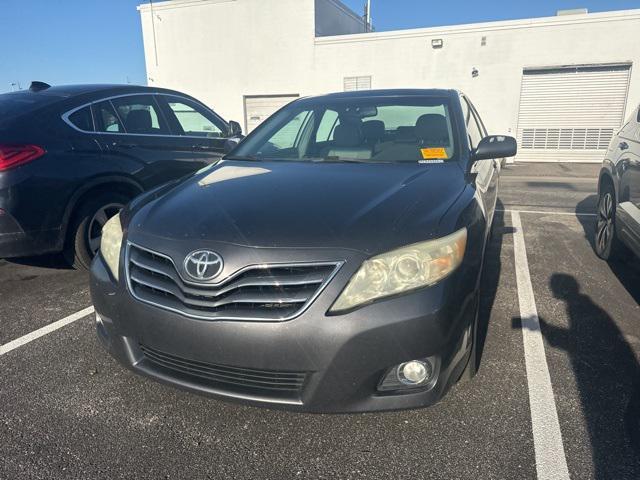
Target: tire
column 83, row 236
column 606, row 243
column 471, row 368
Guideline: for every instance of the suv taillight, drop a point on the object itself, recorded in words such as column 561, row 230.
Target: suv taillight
column 12, row 156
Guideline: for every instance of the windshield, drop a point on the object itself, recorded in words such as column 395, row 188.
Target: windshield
column 415, row 129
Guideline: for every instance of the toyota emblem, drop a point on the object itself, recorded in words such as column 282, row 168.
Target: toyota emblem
column 203, row 265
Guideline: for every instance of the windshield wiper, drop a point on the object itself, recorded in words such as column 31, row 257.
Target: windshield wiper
column 336, row 160
column 246, row 158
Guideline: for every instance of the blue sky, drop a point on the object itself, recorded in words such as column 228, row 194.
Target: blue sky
column 81, row 41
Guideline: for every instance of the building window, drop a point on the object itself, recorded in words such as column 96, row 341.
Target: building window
column 357, row 83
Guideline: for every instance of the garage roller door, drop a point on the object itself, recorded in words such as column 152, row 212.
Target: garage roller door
column 570, row 114
column 258, row 108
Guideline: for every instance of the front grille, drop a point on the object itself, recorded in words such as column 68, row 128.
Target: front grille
column 258, row 293
column 246, row 381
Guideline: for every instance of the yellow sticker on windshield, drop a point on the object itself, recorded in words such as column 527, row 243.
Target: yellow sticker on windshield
column 434, row 153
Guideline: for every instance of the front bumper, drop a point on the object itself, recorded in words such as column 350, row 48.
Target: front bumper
column 342, row 357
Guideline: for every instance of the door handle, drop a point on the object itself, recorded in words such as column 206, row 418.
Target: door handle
column 623, row 146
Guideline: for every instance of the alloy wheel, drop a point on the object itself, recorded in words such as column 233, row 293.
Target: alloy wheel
column 604, row 227
column 94, row 232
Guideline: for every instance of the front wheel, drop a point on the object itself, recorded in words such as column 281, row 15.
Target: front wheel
column 85, row 234
column 606, row 243
column 471, row 369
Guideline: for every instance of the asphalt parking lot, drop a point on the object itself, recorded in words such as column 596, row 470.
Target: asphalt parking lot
column 559, row 402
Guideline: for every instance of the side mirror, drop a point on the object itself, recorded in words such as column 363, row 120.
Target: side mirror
column 495, row 146
column 235, row 130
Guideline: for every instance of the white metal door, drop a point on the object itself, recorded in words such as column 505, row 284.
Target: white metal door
column 570, row 114
column 259, row 108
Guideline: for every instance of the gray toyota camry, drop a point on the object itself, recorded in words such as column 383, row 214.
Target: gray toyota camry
column 330, row 263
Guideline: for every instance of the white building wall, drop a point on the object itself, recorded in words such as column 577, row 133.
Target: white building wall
column 406, row 58
column 221, row 50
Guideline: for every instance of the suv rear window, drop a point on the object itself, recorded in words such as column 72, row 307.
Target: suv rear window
column 82, row 119
column 106, row 119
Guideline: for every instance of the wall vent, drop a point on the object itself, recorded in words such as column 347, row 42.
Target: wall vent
column 566, row 138
column 352, row 84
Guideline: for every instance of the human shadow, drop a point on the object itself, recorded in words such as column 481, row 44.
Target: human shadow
column 607, row 376
column 626, row 270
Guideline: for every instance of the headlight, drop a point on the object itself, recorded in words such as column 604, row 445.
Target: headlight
column 415, row 266
column 111, row 243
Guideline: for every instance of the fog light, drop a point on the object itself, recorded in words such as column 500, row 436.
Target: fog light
column 421, row 373
column 413, row 372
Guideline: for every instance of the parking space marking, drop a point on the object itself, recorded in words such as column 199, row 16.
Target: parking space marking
column 30, row 337
column 573, row 214
column 551, row 462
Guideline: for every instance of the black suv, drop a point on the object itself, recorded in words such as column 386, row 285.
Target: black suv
column 72, row 156
column 618, row 226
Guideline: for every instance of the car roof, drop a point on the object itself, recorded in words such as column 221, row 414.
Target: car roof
column 82, row 89
column 392, row 92
column 65, row 97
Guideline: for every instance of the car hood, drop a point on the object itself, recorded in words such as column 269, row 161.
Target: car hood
column 364, row 207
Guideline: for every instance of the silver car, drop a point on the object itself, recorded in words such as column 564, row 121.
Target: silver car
column 618, row 225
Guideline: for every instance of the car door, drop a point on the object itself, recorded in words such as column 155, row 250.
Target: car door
column 137, row 139
column 487, row 171
column 628, row 167
column 200, row 127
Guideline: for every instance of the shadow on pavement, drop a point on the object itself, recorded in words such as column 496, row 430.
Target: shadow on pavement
column 608, row 379
column 55, row 261
column 490, row 277
column 627, row 272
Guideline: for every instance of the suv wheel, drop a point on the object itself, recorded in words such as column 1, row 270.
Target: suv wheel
column 83, row 241
column 607, row 245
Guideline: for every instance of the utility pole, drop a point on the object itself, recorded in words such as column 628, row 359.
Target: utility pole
column 153, row 29
column 367, row 16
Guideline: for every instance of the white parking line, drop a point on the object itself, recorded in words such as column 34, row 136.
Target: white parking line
column 30, row 337
column 573, row 214
column 551, row 463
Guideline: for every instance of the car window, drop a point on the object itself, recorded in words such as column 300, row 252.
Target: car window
column 412, row 129
column 286, row 136
column 106, row 119
column 327, row 126
column 140, row 115
column 82, row 119
column 473, row 129
column 465, row 110
column 481, row 125
column 193, row 120
column 402, row 116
